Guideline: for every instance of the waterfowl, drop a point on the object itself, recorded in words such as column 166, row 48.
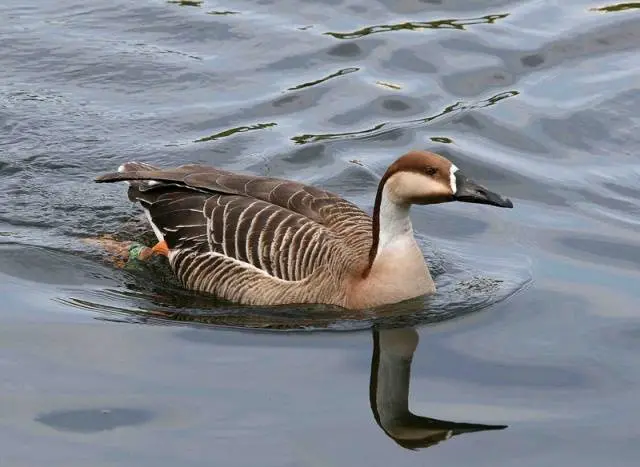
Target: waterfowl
column 265, row 241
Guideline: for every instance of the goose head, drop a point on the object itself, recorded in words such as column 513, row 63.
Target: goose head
column 418, row 177
column 422, row 177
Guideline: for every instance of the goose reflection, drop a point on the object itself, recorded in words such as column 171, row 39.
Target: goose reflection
column 393, row 351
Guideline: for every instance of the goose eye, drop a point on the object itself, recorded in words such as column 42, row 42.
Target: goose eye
column 430, row 170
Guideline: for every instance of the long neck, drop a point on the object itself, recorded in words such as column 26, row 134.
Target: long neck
column 391, row 223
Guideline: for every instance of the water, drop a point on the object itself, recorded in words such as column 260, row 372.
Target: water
column 536, row 322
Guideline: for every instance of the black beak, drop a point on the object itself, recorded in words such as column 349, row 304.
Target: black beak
column 469, row 191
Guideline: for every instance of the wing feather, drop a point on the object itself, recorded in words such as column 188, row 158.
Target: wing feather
column 320, row 206
column 214, row 222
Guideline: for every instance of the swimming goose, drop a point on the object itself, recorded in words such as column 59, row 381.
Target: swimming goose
column 266, row 241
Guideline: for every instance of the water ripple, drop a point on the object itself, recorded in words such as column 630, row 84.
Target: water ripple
column 196, row 3
column 618, row 7
column 460, row 24
column 385, row 127
column 233, row 131
column 342, row 72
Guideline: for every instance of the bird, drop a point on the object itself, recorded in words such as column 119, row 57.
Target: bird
column 255, row 240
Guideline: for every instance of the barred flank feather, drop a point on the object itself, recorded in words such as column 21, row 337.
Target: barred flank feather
column 251, row 239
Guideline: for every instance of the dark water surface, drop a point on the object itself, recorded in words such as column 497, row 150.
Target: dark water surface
column 536, row 324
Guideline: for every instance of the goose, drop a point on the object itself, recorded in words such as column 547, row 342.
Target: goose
column 391, row 361
column 256, row 240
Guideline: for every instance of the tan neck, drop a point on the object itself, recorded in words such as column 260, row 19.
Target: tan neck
column 398, row 273
column 397, row 270
column 394, row 246
column 391, row 224
column 395, row 230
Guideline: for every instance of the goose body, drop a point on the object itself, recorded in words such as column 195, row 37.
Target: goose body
column 266, row 241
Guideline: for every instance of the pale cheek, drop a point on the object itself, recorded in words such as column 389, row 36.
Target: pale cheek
column 414, row 188
column 432, row 189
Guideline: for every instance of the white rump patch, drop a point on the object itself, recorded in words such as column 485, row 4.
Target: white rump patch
column 155, row 228
column 452, row 178
column 122, row 169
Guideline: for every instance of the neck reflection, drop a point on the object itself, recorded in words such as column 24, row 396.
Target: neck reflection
column 393, row 351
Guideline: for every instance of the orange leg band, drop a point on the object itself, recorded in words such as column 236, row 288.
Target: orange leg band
column 161, row 248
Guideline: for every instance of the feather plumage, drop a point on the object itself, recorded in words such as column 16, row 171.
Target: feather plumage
column 244, row 238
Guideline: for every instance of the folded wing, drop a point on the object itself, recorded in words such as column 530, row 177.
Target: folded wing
column 213, row 219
